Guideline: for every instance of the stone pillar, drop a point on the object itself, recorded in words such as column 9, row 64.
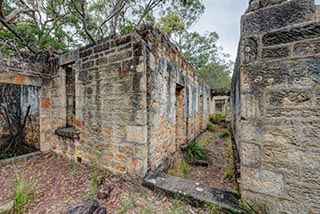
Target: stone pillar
column 277, row 125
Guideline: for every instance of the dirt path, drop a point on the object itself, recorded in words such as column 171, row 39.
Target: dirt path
column 220, row 162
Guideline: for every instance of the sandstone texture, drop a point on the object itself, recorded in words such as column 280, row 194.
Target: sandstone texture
column 126, row 103
column 275, row 104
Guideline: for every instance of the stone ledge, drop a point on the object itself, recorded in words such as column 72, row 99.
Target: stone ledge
column 195, row 193
column 68, row 132
column 20, row 158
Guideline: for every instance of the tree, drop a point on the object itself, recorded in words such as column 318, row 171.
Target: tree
column 209, row 60
column 216, row 75
column 48, row 27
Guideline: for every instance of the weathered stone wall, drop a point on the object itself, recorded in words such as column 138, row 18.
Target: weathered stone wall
column 110, row 106
column 25, row 84
column 178, row 100
column 275, row 101
column 127, row 90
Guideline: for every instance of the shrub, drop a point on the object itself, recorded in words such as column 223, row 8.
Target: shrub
column 224, row 134
column 195, row 152
column 211, row 127
column 217, row 118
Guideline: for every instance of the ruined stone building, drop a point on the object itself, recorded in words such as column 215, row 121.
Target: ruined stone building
column 276, row 103
column 125, row 102
column 129, row 102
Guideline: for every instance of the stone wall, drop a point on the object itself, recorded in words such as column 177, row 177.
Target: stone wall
column 126, row 91
column 178, row 100
column 275, row 102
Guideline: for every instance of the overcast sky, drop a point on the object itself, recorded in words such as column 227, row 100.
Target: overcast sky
column 223, row 17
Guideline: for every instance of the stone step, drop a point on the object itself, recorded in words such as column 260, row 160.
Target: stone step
column 195, row 193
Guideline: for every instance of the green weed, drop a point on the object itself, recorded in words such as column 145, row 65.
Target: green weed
column 147, row 209
column 127, row 204
column 212, row 127
column 213, row 208
column 217, row 118
column 180, row 169
column 224, row 134
column 195, row 152
column 94, row 182
column 24, row 193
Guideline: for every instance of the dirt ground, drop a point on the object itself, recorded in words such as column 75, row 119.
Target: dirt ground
column 220, row 157
column 60, row 184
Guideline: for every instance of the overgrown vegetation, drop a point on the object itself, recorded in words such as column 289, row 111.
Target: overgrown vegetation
column 127, row 204
column 247, row 208
column 229, row 174
column 24, row 193
column 212, row 127
column 94, row 181
column 194, row 153
column 217, row 118
column 224, row 134
column 180, row 169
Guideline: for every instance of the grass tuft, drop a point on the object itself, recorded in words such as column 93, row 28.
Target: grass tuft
column 24, row 193
column 217, row 118
column 224, row 134
column 195, row 152
column 180, row 169
column 94, row 182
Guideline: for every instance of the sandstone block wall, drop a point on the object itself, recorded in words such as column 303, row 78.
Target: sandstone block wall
column 178, row 100
column 275, row 101
column 126, row 93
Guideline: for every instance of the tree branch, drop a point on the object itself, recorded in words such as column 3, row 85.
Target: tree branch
column 15, row 33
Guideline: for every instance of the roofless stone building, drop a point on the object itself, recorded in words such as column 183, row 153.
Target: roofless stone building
column 129, row 103
column 126, row 102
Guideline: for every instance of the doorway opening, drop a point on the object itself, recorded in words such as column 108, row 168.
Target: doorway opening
column 180, row 117
column 201, row 112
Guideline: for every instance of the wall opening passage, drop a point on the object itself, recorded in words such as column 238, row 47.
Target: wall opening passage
column 219, row 106
column 201, row 111
column 180, row 119
column 70, row 97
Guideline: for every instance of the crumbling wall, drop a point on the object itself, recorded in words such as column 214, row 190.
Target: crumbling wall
column 110, row 106
column 178, row 100
column 25, row 84
column 125, row 103
column 275, row 101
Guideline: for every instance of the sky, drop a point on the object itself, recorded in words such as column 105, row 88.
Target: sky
column 223, row 17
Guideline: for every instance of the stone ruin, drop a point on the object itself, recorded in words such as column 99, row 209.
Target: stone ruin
column 276, row 105
column 129, row 103
column 126, row 103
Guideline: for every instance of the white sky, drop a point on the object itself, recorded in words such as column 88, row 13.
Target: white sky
column 223, row 17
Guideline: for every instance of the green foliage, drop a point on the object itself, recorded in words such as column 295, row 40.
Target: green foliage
column 24, row 194
column 213, row 208
column 171, row 23
column 212, row 127
column 127, row 204
column 195, row 152
column 216, row 74
column 224, row 134
column 94, row 182
column 230, row 173
column 217, row 118
column 147, row 209
column 247, row 208
column 180, row 169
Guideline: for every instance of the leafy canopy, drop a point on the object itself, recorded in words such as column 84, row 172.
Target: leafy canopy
column 32, row 26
